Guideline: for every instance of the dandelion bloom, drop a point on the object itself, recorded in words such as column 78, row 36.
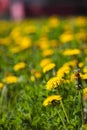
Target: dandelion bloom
column 70, row 52
column 32, row 78
column 84, row 76
column 19, row 66
column 53, row 83
column 85, row 69
column 66, row 37
column 47, row 52
column 48, row 67
column 37, row 74
column 50, row 99
column 53, row 22
column 45, row 62
column 80, row 21
column 25, row 43
column 1, row 85
column 10, row 79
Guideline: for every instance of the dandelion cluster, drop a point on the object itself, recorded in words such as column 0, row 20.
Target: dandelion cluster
column 42, row 61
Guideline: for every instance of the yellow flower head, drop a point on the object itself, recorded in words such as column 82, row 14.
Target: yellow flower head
column 81, row 36
column 53, row 21
column 85, row 69
column 48, row 67
column 18, row 66
column 32, row 78
column 25, row 43
column 50, row 99
column 80, row 21
column 70, row 52
column 45, row 62
column 10, row 79
column 53, row 83
column 37, row 74
column 1, row 85
column 84, row 76
column 65, row 69
column 47, row 52
column 65, row 37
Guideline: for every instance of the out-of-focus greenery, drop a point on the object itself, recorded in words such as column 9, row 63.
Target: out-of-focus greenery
column 31, row 53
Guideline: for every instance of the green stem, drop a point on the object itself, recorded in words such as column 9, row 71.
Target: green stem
column 82, row 106
column 64, row 111
column 62, row 121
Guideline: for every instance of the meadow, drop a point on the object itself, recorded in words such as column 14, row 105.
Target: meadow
column 43, row 74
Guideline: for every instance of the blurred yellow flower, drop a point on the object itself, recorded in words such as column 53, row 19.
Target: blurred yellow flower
column 85, row 69
column 81, row 36
column 80, row 21
column 32, row 78
column 53, row 21
column 84, row 76
column 81, row 64
column 47, row 52
column 66, row 37
column 10, row 79
column 25, row 43
column 52, row 98
column 70, row 52
column 53, row 83
column 65, row 69
column 48, row 67
column 18, row 66
column 1, row 85
column 37, row 74
column 45, row 61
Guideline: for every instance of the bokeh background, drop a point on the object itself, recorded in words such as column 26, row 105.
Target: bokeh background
column 20, row 9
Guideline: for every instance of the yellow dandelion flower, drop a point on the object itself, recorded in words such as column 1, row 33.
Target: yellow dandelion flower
column 37, row 74
column 25, row 43
column 71, row 63
column 1, row 85
column 48, row 67
column 47, row 52
column 43, row 44
column 32, row 78
column 10, row 79
column 81, row 36
column 18, row 66
column 81, row 64
column 84, row 76
column 45, row 62
column 80, row 21
column 53, row 22
column 85, row 69
column 65, row 69
column 70, row 52
column 65, row 37
column 53, row 83
column 52, row 98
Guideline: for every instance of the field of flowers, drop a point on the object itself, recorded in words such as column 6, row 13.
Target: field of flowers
column 43, row 74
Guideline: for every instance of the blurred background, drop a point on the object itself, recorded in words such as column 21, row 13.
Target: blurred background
column 20, row 9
